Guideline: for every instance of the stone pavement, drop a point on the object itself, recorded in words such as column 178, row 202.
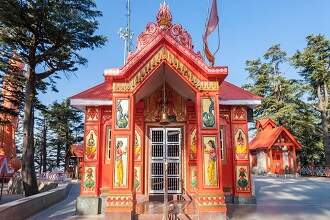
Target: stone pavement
column 62, row 210
column 277, row 199
column 8, row 197
column 287, row 199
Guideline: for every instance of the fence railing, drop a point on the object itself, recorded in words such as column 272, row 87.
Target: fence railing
column 321, row 171
column 52, row 176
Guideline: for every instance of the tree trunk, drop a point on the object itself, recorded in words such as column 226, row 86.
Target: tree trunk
column 323, row 107
column 28, row 171
column 67, row 148
column 58, row 155
column 44, row 146
column 326, row 138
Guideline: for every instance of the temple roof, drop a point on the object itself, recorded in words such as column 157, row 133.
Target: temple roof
column 101, row 94
column 230, row 94
column 267, row 137
column 168, row 43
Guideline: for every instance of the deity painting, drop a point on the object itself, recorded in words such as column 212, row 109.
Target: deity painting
column 89, row 179
column 137, row 147
column 121, row 161
column 210, row 161
column 208, row 113
column 137, row 178
column 193, row 177
column 193, row 145
column 242, row 179
column 241, row 147
column 91, row 146
column 122, row 113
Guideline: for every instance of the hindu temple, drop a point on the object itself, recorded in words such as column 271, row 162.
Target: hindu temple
column 165, row 122
column 274, row 149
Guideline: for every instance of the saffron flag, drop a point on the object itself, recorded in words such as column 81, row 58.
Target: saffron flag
column 211, row 26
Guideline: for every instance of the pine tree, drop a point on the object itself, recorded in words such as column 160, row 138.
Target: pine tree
column 67, row 126
column 314, row 66
column 47, row 36
column 283, row 101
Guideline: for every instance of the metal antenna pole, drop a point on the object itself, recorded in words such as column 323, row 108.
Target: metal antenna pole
column 125, row 33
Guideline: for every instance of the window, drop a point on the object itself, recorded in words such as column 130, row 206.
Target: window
column 222, row 143
column 108, row 143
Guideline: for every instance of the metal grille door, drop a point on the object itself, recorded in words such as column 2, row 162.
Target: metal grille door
column 165, row 145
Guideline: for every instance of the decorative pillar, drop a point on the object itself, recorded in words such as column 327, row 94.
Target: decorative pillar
column 88, row 201
column 120, row 201
column 209, row 198
column 191, row 149
column 241, row 165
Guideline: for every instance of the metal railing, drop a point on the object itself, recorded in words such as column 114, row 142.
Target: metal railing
column 321, row 171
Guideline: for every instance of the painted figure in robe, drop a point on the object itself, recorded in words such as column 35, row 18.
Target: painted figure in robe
column 211, row 167
column 119, row 163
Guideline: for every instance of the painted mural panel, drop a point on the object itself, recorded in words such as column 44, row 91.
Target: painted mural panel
column 137, row 147
column 121, row 162
column 210, row 161
column 137, row 179
column 193, row 145
column 239, row 113
column 208, row 112
column 193, row 177
column 242, row 179
column 241, row 145
column 122, row 113
column 89, row 179
column 91, row 146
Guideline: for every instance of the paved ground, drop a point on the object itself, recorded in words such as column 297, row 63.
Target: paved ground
column 8, row 197
column 63, row 210
column 287, row 199
column 277, row 199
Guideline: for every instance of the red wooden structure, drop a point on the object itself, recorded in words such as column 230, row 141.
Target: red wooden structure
column 274, row 149
column 9, row 122
column 205, row 141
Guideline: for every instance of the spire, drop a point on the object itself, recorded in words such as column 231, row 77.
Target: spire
column 164, row 16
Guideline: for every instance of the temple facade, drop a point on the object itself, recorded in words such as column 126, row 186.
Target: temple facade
column 274, row 149
column 165, row 119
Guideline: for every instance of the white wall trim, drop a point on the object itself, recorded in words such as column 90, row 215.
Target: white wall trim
column 86, row 102
column 240, row 102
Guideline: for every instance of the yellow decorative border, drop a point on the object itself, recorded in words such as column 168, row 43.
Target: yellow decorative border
column 165, row 55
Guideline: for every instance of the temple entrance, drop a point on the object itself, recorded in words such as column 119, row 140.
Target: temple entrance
column 165, row 145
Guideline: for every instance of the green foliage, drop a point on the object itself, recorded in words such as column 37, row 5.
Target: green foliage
column 283, row 101
column 64, row 127
column 314, row 66
column 47, row 36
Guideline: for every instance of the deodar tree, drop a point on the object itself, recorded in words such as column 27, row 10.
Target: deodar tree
column 47, row 35
column 314, row 65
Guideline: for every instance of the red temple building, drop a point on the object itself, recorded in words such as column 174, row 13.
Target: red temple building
column 165, row 108
column 274, row 149
column 9, row 122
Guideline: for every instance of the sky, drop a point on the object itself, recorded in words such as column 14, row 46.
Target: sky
column 247, row 29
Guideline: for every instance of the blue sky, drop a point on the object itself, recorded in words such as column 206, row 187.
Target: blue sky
column 247, row 29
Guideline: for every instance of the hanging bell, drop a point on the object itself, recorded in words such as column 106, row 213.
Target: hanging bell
column 164, row 119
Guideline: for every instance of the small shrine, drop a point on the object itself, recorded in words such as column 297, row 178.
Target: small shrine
column 274, row 149
column 165, row 113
